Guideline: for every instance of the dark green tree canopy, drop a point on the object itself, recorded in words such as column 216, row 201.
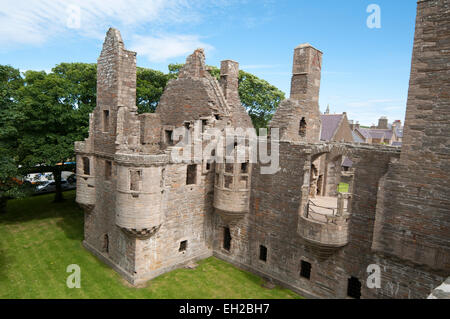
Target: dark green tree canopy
column 10, row 82
column 149, row 88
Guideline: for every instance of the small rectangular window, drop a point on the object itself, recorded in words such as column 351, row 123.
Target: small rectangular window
column 228, row 182
column 168, row 137
column 86, row 166
column 135, row 180
column 305, row 270
column 105, row 120
column 302, row 127
column 106, row 243
column 229, row 167
column 108, row 170
column 263, row 253
column 208, row 166
column 191, row 175
column 226, row 238
column 354, row 288
column 204, row 123
column 244, row 167
column 243, row 182
column 183, row 246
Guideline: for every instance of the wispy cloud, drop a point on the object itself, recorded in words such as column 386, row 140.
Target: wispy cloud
column 161, row 48
column 35, row 22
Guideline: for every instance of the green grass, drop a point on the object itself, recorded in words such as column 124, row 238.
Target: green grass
column 39, row 239
column 343, row 188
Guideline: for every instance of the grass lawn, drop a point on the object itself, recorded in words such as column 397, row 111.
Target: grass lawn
column 343, row 188
column 39, row 239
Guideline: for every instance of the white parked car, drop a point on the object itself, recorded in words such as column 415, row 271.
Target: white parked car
column 50, row 187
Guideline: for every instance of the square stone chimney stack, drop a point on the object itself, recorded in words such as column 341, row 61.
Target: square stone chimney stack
column 383, row 123
column 298, row 117
column 229, row 80
column 306, row 73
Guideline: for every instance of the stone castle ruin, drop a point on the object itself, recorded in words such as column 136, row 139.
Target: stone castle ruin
column 147, row 212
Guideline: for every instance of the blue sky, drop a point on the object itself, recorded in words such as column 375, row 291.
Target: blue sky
column 365, row 71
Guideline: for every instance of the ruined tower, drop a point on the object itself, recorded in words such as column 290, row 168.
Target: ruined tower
column 148, row 212
column 298, row 117
column 413, row 220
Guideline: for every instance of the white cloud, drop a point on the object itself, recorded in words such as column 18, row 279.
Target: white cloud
column 161, row 48
column 35, row 22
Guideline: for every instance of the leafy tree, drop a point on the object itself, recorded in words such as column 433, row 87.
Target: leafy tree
column 149, row 88
column 10, row 83
column 259, row 97
column 81, row 93
column 50, row 123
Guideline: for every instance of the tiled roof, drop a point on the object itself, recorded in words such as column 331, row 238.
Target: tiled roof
column 375, row 134
column 364, row 132
column 330, row 123
column 347, row 162
column 357, row 138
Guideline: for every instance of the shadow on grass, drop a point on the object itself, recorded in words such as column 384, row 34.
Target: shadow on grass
column 68, row 216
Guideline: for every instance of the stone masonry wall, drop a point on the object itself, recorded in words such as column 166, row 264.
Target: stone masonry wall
column 413, row 221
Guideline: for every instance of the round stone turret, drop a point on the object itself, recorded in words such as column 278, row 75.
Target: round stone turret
column 85, row 182
column 232, row 189
column 138, row 200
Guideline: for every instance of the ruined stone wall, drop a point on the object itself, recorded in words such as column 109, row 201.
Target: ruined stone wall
column 151, row 131
column 193, row 96
column 273, row 220
column 113, row 117
column 187, row 213
column 413, row 220
column 298, row 117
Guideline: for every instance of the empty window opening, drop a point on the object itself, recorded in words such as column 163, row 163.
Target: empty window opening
column 217, row 116
column 302, row 128
column 244, row 167
column 183, row 245
column 169, row 137
column 135, row 180
column 319, row 185
column 106, row 243
column 218, row 180
column 228, row 182
column 226, row 238
column 354, row 288
column 105, row 120
column 187, row 127
column 243, row 182
column 229, row 168
column 204, row 123
column 263, row 253
column 305, row 269
column 108, row 170
column 191, row 176
column 208, row 166
column 86, row 166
